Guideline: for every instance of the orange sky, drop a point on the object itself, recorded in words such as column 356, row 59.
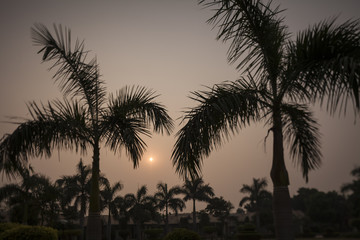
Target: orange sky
column 167, row 46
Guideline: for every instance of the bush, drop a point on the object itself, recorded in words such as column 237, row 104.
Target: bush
column 154, row 233
column 29, row 233
column 8, row 225
column 182, row 234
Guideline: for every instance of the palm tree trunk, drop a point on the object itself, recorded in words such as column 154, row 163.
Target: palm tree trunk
column 279, row 176
column 194, row 215
column 93, row 228
column 108, row 237
column 166, row 218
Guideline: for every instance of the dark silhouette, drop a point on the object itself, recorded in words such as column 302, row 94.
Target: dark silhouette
column 257, row 194
column 281, row 76
column 86, row 120
column 166, row 199
column 196, row 189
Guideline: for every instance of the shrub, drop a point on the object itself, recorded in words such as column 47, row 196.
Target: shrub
column 29, row 233
column 154, row 233
column 8, row 225
column 182, row 234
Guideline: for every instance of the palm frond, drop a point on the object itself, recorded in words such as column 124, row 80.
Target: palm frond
column 302, row 133
column 325, row 60
column 253, row 28
column 129, row 116
column 53, row 125
column 74, row 74
column 222, row 111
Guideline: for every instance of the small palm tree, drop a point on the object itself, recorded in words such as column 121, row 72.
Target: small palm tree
column 220, row 208
column 108, row 196
column 85, row 120
column 49, row 196
column 143, row 208
column 257, row 194
column 166, row 199
column 196, row 189
column 280, row 77
column 76, row 189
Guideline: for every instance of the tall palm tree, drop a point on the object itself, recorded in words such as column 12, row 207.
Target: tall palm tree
column 257, row 194
column 280, row 77
column 85, row 120
column 196, row 189
column 76, row 189
column 166, row 199
column 142, row 208
column 108, row 196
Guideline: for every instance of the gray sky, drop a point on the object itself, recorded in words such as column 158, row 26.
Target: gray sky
column 165, row 45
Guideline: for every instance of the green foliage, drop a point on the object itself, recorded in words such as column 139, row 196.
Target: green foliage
column 154, row 233
column 8, row 225
column 29, row 233
column 182, row 234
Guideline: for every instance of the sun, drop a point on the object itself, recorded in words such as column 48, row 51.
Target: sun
column 151, row 159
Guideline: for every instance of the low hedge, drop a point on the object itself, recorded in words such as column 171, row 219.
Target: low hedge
column 182, row 234
column 29, row 233
column 8, row 225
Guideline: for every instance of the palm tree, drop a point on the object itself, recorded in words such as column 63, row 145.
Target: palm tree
column 84, row 121
column 280, row 77
column 76, row 189
column 166, row 199
column 142, row 208
column 195, row 189
column 25, row 193
column 257, row 194
column 108, row 194
column 49, row 195
column 220, row 208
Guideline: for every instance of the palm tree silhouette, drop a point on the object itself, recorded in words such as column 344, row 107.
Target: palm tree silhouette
column 25, row 193
column 280, row 78
column 142, row 208
column 166, row 198
column 257, row 194
column 76, row 188
column 196, row 189
column 108, row 196
column 85, row 120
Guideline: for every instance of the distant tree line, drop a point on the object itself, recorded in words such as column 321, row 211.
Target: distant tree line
column 63, row 204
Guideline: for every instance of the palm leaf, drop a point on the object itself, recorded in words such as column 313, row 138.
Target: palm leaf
column 302, row 133
column 252, row 27
column 222, row 111
column 128, row 118
column 74, row 75
column 58, row 124
column 325, row 60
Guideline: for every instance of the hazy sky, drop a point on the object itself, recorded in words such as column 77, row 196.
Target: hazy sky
column 165, row 45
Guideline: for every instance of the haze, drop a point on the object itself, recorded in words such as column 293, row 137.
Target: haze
column 165, row 45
